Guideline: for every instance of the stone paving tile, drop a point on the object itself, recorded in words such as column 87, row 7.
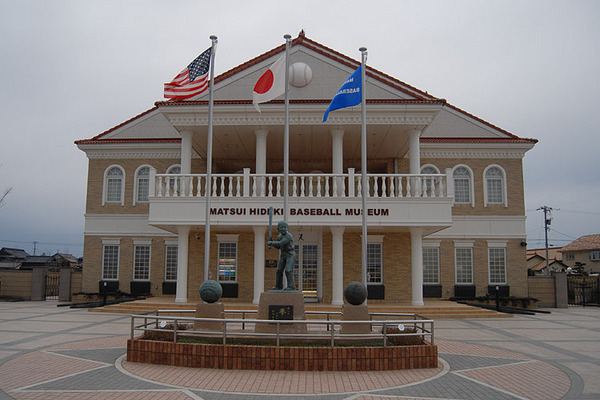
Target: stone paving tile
column 107, row 378
column 44, row 340
column 543, row 381
column 8, row 337
column 295, row 382
column 452, row 347
column 129, row 395
column 108, row 355
column 449, row 386
column 35, row 326
column 97, row 343
column 36, row 367
column 461, row 362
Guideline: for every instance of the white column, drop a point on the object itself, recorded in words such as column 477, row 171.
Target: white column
column 261, row 155
column 182, row 264
column 416, row 242
column 337, row 156
column 414, row 151
column 337, row 272
column 259, row 261
column 186, row 152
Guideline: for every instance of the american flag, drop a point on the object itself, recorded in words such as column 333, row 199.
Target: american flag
column 192, row 81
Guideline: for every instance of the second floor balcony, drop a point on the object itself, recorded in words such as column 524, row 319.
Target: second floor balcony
column 394, row 200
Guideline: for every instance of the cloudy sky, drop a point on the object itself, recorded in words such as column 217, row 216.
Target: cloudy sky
column 71, row 69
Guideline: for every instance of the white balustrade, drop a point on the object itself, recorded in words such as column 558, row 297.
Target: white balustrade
column 303, row 185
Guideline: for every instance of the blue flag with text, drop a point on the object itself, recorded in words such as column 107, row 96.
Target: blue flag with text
column 349, row 94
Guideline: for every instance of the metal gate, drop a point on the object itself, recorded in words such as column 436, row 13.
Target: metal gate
column 583, row 290
column 52, row 285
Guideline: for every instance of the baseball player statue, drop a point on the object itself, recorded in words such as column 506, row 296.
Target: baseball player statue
column 285, row 244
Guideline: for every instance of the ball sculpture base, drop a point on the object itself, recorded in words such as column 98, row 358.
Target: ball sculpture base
column 209, row 310
column 355, row 313
column 285, row 301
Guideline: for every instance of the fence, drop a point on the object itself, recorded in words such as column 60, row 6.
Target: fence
column 583, row 290
column 384, row 329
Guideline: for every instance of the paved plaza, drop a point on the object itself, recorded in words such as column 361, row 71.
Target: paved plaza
column 50, row 352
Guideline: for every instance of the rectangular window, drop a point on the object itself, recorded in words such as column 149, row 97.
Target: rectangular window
column 374, row 264
column 431, row 265
column 595, row 255
column 227, row 263
column 110, row 262
column 464, row 265
column 170, row 263
column 570, row 256
column 494, row 191
column 141, row 263
column 462, row 191
column 113, row 190
column 497, row 263
column 143, row 189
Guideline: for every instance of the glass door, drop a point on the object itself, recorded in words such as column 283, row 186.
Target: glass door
column 306, row 271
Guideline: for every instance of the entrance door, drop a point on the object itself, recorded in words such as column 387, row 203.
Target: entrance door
column 306, row 271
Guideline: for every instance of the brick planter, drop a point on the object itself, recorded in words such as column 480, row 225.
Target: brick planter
column 197, row 355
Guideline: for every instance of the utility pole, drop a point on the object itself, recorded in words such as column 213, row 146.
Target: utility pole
column 34, row 247
column 547, row 221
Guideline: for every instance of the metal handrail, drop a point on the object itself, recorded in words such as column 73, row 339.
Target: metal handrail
column 418, row 323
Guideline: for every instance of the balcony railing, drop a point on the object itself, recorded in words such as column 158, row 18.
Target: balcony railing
column 319, row 185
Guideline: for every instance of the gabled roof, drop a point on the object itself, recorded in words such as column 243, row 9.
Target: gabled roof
column 554, row 253
column 584, row 243
column 405, row 94
column 7, row 252
column 554, row 263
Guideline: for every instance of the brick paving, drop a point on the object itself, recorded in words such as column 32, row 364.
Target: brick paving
column 49, row 352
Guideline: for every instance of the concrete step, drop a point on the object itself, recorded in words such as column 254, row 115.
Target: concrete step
column 434, row 309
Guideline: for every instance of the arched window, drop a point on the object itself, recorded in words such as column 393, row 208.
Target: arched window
column 463, row 187
column 174, row 183
column 142, row 185
column 495, row 185
column 429, row 169
column 114, row 185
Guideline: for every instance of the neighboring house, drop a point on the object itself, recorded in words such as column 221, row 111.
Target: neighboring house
column 19, row 259
column 64, row 260
column 536, row 261
column 446, row 213
column 583, row 254
column 39, row 262
column 12, row 258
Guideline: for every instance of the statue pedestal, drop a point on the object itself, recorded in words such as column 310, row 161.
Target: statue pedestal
column 281, row 306
column 355, row 313
column 209, row 310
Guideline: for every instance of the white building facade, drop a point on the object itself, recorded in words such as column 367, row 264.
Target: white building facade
column 445, row 207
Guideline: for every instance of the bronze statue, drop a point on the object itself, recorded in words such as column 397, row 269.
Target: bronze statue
column 285, row 244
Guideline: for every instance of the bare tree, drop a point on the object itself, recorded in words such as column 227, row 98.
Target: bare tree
column 6, row 192
column 3, row 196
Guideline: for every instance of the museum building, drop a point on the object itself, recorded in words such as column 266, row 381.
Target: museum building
column 445, row 197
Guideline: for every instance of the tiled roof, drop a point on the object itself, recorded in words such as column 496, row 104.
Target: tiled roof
column 421, row 96
column 304, row 101
column 587, row 242
column 115, row 141
column 554, row 253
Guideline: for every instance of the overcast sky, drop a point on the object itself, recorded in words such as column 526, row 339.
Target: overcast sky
column 72, row 69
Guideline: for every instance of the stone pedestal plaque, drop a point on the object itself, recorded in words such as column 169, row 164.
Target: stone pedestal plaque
column 281, row 306
column 209, row 310
column 355, row 313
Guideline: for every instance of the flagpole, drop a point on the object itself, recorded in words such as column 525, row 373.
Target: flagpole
column 286, row 130
column 363, row 161
column 209, row 141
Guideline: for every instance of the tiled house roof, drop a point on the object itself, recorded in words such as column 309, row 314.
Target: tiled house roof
column 584, row 243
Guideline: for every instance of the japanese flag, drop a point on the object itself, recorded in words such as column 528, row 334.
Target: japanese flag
column 271, row 84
